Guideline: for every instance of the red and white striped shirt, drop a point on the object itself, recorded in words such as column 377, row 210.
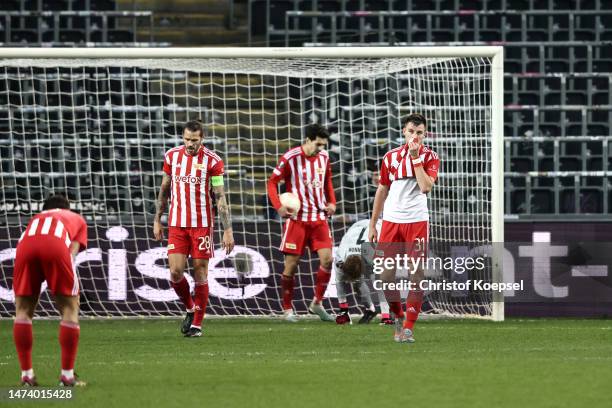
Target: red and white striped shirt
column 190, row 201
column 64, row 225
column 405, row 202
column 309, row 177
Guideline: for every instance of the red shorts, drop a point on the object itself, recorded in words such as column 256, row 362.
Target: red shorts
column 414, row 235
column 299, row 234
column 39, row 260
column 197, row 242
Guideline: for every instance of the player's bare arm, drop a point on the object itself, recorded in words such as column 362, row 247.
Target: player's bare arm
column 226, row 219
column 379, row 201
column 74, row 249
column 160, row 207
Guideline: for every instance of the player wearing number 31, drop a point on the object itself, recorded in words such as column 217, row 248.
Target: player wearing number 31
column 190, row 171
column 407, row 174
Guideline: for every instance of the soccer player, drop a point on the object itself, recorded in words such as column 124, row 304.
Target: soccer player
column 46, row 252
column 407, row 174
column 350, row 270
column 190, row 171
column 306, row 171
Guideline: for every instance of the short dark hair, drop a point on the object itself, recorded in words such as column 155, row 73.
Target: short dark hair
column 194, row 126
column 352, row 268
column 56, row 201
column 315, row 130
column 415, row 118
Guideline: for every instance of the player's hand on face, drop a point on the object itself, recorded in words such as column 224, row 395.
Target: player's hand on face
column 158, row 231
column 330, row 209
column 285, row 212
column 372, row 234
column 413, row 147
column 228, row 241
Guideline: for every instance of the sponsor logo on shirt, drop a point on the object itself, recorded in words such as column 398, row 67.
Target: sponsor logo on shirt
column 313, row 183
column 188, row 179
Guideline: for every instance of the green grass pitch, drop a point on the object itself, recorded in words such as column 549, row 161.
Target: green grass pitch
column 268, row 363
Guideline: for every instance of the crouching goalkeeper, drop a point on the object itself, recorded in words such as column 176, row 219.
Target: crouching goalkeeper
column 352, row 274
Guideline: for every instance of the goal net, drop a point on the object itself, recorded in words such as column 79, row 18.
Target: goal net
column 96, row 128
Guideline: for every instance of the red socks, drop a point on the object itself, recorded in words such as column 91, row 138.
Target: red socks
column 68, row 339
column 287, row 287
column 22, row 334
column 323, row 276
column 413, row 308
column 201, row 300
column 69, row 342
column 182, row 290
column 396, row 308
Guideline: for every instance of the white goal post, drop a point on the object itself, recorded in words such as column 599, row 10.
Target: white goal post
column 94, row 123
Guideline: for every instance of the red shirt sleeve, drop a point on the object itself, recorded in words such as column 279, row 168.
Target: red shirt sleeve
column 217, row 168
column 432, row 165
column 330, row 194
column 278, row 174
column 80, row 227
column 384, row 173
column 167, row 165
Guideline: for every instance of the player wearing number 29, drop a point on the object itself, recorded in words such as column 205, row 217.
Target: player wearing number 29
column 306, row 171
column 190, row 171
column 407, row 174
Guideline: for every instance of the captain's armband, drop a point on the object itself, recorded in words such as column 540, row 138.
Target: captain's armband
column 216, row 181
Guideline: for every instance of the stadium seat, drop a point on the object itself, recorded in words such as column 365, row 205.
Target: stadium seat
column 528, row 98
column 473, row 5
column 542, row 201
column 602, row 65
column 556, row 66
column 537, row 36
column 521, row 165
column 305, row 5
column 329, row 5
column 423, row 5
column 442, row 36
column 377, row 5
column 546, row 164
column 120, row 36
column 591, row 201
column 517, row 201
column 49, row 36
column 517, row 5
column 598, row 130
column 72, row 36
column 565, row 4
column 488, row 35
column 55, row 5
column 10, row 5
column 549, row 129
column 575, row 98
column 277, row 13
column 24, row 36
column 103, row 5
column 574, row 130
